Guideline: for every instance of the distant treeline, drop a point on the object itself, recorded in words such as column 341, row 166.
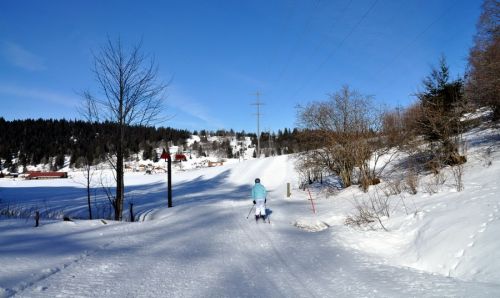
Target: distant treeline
column 48, row 141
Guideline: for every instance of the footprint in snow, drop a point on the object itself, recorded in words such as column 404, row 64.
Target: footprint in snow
column 460, row 253
column 455, row 265
column 41, row 289
column 470, row 244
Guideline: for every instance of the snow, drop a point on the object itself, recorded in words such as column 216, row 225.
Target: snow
column 443, row 245
column 192, row 139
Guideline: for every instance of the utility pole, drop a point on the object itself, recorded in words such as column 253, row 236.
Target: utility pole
column 168, row 158
column 169, row 182
column 258, row 104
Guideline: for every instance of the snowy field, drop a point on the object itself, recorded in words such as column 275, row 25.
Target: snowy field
column 441, row 244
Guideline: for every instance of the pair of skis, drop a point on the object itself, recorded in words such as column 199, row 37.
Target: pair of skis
column 267, row 217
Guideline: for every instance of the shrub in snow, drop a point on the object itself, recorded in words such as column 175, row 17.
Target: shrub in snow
column 369, row 211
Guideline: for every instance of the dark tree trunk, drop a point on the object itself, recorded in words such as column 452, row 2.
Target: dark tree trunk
column 88, row 192
column 120, row 186
column 132, row 96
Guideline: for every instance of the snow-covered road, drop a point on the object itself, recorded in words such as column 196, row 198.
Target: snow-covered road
column 205, row 247
column 217, row 252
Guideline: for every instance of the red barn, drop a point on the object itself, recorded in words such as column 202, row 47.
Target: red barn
column 46, row 175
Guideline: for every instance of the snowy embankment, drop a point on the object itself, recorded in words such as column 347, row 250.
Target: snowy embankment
column 439, row 229
column 441, row 244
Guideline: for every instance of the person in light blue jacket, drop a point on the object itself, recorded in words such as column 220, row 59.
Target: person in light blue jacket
column 259, row 196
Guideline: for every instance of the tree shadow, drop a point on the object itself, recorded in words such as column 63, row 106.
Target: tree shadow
column 59, row 201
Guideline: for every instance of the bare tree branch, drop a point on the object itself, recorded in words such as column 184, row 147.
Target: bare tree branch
column 131, row 95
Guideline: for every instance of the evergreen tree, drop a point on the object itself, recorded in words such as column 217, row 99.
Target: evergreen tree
column 441, row 103
column 154, row 155
column 59, row 162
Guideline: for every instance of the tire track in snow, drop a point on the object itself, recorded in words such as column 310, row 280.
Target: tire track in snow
column 144, row 215
column 18, row 290
column 94, row 275
column 292, row 280
column 244, row 226
column 285, row 263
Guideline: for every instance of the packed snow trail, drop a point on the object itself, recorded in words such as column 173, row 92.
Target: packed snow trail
column 218, row 253
column 205, row 247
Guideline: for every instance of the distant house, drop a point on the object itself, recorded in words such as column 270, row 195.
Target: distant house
column 180, row 157
column 46, row 175
column 177, row 157
column 12, row 175
column 215, row 163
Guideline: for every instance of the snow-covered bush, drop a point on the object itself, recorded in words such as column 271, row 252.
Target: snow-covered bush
column 370, row 210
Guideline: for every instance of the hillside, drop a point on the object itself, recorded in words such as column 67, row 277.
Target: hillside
column 60, row 144
column 438, row 244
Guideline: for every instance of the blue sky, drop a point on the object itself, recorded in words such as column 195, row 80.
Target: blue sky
column 218, row 54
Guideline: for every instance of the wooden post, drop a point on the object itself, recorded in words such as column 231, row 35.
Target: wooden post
column 37, row 218
column 132, row 219
column 288, row 193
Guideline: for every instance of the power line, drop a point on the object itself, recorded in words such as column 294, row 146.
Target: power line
column 306, row 82
column 420, row 34
column 323, row 40
column 284, row 28
column 298, row 42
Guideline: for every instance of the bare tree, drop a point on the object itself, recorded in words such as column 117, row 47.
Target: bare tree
column 88, row 174
column 338, row 132
column 483, row 83
column 130, row 94
column 394, row 130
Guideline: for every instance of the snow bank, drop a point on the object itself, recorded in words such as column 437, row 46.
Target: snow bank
column 449, row 233
column 205, row 246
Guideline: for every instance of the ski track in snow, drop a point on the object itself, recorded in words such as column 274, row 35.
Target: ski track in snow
column 260, row 259
column 205, row 247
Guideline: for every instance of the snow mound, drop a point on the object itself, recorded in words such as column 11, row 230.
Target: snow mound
column 311, row 225
column 5, row 292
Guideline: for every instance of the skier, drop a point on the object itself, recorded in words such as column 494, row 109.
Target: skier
column 259, row 195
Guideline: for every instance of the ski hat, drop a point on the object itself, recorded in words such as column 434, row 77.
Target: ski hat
column 257, row 180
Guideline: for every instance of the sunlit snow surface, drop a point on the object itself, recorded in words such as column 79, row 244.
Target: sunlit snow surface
column 443, row 245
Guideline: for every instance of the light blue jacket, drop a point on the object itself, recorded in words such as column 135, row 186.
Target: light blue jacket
column 259, row 192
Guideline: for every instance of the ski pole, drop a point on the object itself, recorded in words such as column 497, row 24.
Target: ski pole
column 250, row 211
column 267, row 215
